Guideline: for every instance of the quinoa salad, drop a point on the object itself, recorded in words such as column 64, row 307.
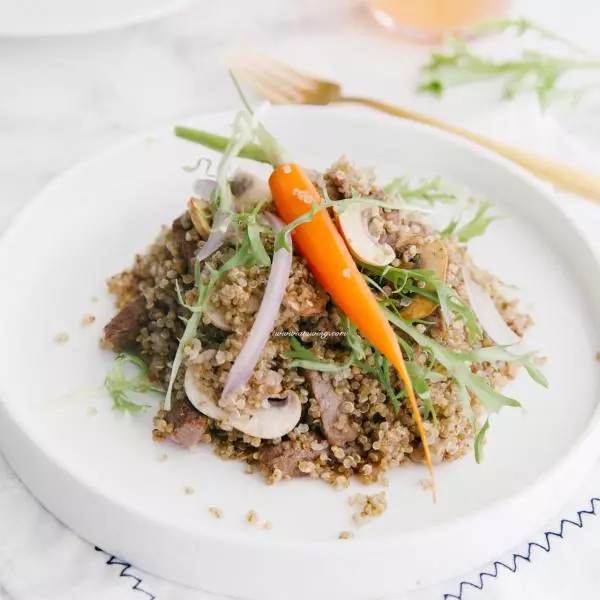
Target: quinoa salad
column 316, row 323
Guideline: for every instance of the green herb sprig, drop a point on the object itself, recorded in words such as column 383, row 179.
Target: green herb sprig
column 458, row 366
column 435, row 289
column 434, row 191
column 533, row 71
column 118, row 385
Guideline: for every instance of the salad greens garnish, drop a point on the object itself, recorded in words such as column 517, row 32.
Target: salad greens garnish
column 530, row 71
column 479, row 441
column 434, row 191
column 303, row 358
column 118, row 385
column 253, row 232
column 435, row 289
column 478, row 225
column 428, row 191
column 203, row 290
column 458, row 365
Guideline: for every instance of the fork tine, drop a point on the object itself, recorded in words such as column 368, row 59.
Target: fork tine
column 266, row 84
column 260, row 87
column 278, row 82
column 294, row 77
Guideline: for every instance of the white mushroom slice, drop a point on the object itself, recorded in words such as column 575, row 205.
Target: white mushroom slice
column 200, row 399
column 215, row 317
column 248, row 190
column 353, row 223
column 433, row 257
column 281, row 415
column 199, row 210
column 487, row 314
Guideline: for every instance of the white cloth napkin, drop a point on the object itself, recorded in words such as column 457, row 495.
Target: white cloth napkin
column 42, row 560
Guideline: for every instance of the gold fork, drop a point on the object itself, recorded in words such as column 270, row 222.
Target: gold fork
column 281, row 84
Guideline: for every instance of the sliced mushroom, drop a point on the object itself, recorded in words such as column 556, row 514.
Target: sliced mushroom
column 433, row 257
column 248, row 190
column 354, row 224
column 200, row 214
column 215, row 316
column 279, row 416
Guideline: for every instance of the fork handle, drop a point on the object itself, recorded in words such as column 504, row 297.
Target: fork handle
column 566, row 178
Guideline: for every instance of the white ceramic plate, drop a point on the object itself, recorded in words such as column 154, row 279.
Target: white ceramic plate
column 27, row 18
column 100, row 474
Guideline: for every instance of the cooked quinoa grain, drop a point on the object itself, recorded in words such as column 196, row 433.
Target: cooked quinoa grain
column 61, row 338
column 87, row 320
column 217, row 513
column 345, row 535
column 251, row 517
column 367, row 506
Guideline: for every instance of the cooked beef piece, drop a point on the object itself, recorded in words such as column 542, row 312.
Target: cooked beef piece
column 122, row 331
column 186, row 248
column 286, row 458
column 188, row 424
column 336, row 425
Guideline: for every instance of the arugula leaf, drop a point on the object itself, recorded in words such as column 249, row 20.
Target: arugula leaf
column 531, row 71
column 478, row 225
column 303, row 358
column 450, row 228
column 451, row 302
column 436, row 290
column 498, row 353
column 479, row 440
column 261, row 256
column 118, row 385
column 353, row 339
column 420, row 376
column 457, row 366
column 428, row 191
column 433, row 191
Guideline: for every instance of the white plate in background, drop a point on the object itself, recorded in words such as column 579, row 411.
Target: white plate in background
column 29, row 18
column 100, row 474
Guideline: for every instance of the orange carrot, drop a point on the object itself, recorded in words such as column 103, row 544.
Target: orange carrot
column 333, row 266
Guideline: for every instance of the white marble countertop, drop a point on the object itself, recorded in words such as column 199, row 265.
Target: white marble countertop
column 65, row 99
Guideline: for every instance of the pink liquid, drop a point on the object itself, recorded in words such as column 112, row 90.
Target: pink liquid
column 430, row 20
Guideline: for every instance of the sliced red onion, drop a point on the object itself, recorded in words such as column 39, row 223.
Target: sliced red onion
column 487, row 314
column 244, row 365
column 203, row 188
column 215, row 240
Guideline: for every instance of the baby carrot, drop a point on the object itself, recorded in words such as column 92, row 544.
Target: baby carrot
column 333, row 266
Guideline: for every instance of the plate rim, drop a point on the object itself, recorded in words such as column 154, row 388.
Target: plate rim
column 542, row 189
